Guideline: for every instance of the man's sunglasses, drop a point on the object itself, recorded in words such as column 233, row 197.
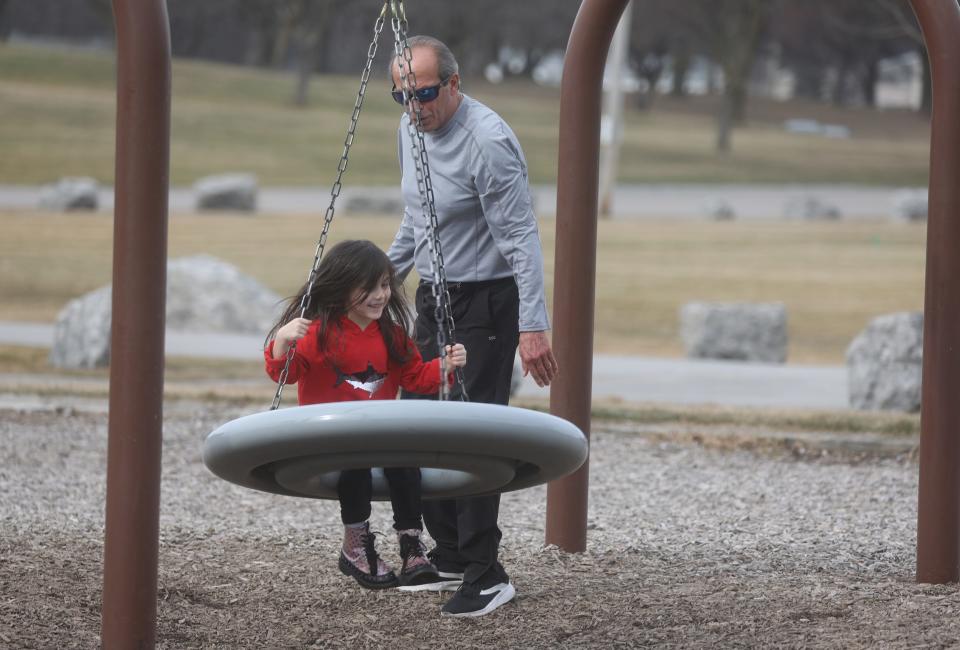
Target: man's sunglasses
column 423, row 95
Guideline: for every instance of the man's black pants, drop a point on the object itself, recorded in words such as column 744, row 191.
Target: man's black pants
column 486, row 318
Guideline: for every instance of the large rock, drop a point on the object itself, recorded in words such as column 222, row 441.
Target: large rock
column 81, row 335
column 810, row 208
column 227, row 192
column 208, row 294
column 721, row 210
column 203, row 294
column 910, row 205
column 70, row 194
column 373, row 201
column 884, row 363
column 737, row 331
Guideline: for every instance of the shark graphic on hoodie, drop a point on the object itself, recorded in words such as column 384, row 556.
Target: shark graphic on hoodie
column 369, row 380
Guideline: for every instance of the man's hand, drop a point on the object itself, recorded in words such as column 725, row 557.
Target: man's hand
column 537, row 357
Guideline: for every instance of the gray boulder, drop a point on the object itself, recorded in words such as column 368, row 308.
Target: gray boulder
column 81, row 334
column 810, row 208
column 204, row 294
column 70, row 194
column 373, row 201
column 208, row 294
column 884, row 363
column 227, row 192
column 721, row 210
column 910, row 205
column 802, row 126
column 736, row 331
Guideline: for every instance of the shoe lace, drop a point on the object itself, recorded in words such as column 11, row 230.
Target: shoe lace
column 469, row 590
column 411, row 546
column 373, row 560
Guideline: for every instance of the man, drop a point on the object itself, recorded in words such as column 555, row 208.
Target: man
column 494, row 270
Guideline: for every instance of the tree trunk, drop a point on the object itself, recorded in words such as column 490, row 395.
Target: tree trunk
column 313, row 21
column 869, row 83
column 102, row 8
column 725, row 124
column 741, row 34
column 681, row 66
column 304, row 70
column 809, row 82
column 738, row 100
column 745, row 52
column 4, row 26
column 260, row 42
column 287, row 19
column 838, row 95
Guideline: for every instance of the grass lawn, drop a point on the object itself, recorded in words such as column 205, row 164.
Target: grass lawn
column 57, row 119
column 833, row 276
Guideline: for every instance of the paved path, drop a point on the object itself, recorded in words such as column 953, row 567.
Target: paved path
column 630, row 201
column 631, row 379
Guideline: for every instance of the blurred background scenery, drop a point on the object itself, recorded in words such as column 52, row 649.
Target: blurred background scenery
column 755, row 153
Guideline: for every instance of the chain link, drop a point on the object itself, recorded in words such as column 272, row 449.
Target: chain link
column 443, row 315
column 334, row 193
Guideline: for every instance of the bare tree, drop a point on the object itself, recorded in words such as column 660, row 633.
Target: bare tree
column 682, row 55
column 848, row 38
column 312, row 17
column 660, row 32
column 731, row 31
column 537, row 26
column 3, row 25
column 260, row 17
column 103, row 9
column 865, row 35
column 906, row 22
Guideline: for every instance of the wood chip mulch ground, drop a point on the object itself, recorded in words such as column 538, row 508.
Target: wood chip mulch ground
column 690, row 545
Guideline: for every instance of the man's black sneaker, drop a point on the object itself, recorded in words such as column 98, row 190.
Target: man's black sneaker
column 449, row 575
column 472, row 600
column 444, row 581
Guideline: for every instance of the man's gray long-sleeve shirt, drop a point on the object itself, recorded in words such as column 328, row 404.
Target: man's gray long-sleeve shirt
column 482, row 198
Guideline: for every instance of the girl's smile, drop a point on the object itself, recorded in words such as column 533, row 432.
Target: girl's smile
column 364, row 309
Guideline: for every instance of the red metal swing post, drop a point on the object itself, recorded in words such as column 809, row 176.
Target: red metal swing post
column 137, row 334
column 938, row 528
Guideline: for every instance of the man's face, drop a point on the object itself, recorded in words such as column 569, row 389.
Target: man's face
column 436, row 113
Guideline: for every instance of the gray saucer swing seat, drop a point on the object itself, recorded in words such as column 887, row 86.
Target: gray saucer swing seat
column 462, row 448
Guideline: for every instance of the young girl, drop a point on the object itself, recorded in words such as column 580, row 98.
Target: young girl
column 353, row 345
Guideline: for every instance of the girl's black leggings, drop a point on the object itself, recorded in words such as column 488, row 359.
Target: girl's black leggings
column 355, row 489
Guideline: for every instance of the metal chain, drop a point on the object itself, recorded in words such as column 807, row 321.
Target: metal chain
column 334, row 192
column 441, row 295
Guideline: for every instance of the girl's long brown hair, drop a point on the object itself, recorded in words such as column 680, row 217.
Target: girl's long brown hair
column 347, row 266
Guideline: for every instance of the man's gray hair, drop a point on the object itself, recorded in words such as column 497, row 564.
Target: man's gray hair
column 446, row 62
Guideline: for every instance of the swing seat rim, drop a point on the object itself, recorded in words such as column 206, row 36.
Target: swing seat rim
column 463, row 448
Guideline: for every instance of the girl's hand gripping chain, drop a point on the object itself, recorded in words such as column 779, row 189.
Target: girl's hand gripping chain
column 456, row 356
column 288, row 334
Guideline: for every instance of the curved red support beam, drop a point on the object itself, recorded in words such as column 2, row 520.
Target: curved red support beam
column 574, row 275
column 938, row 516
column 137, row 335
